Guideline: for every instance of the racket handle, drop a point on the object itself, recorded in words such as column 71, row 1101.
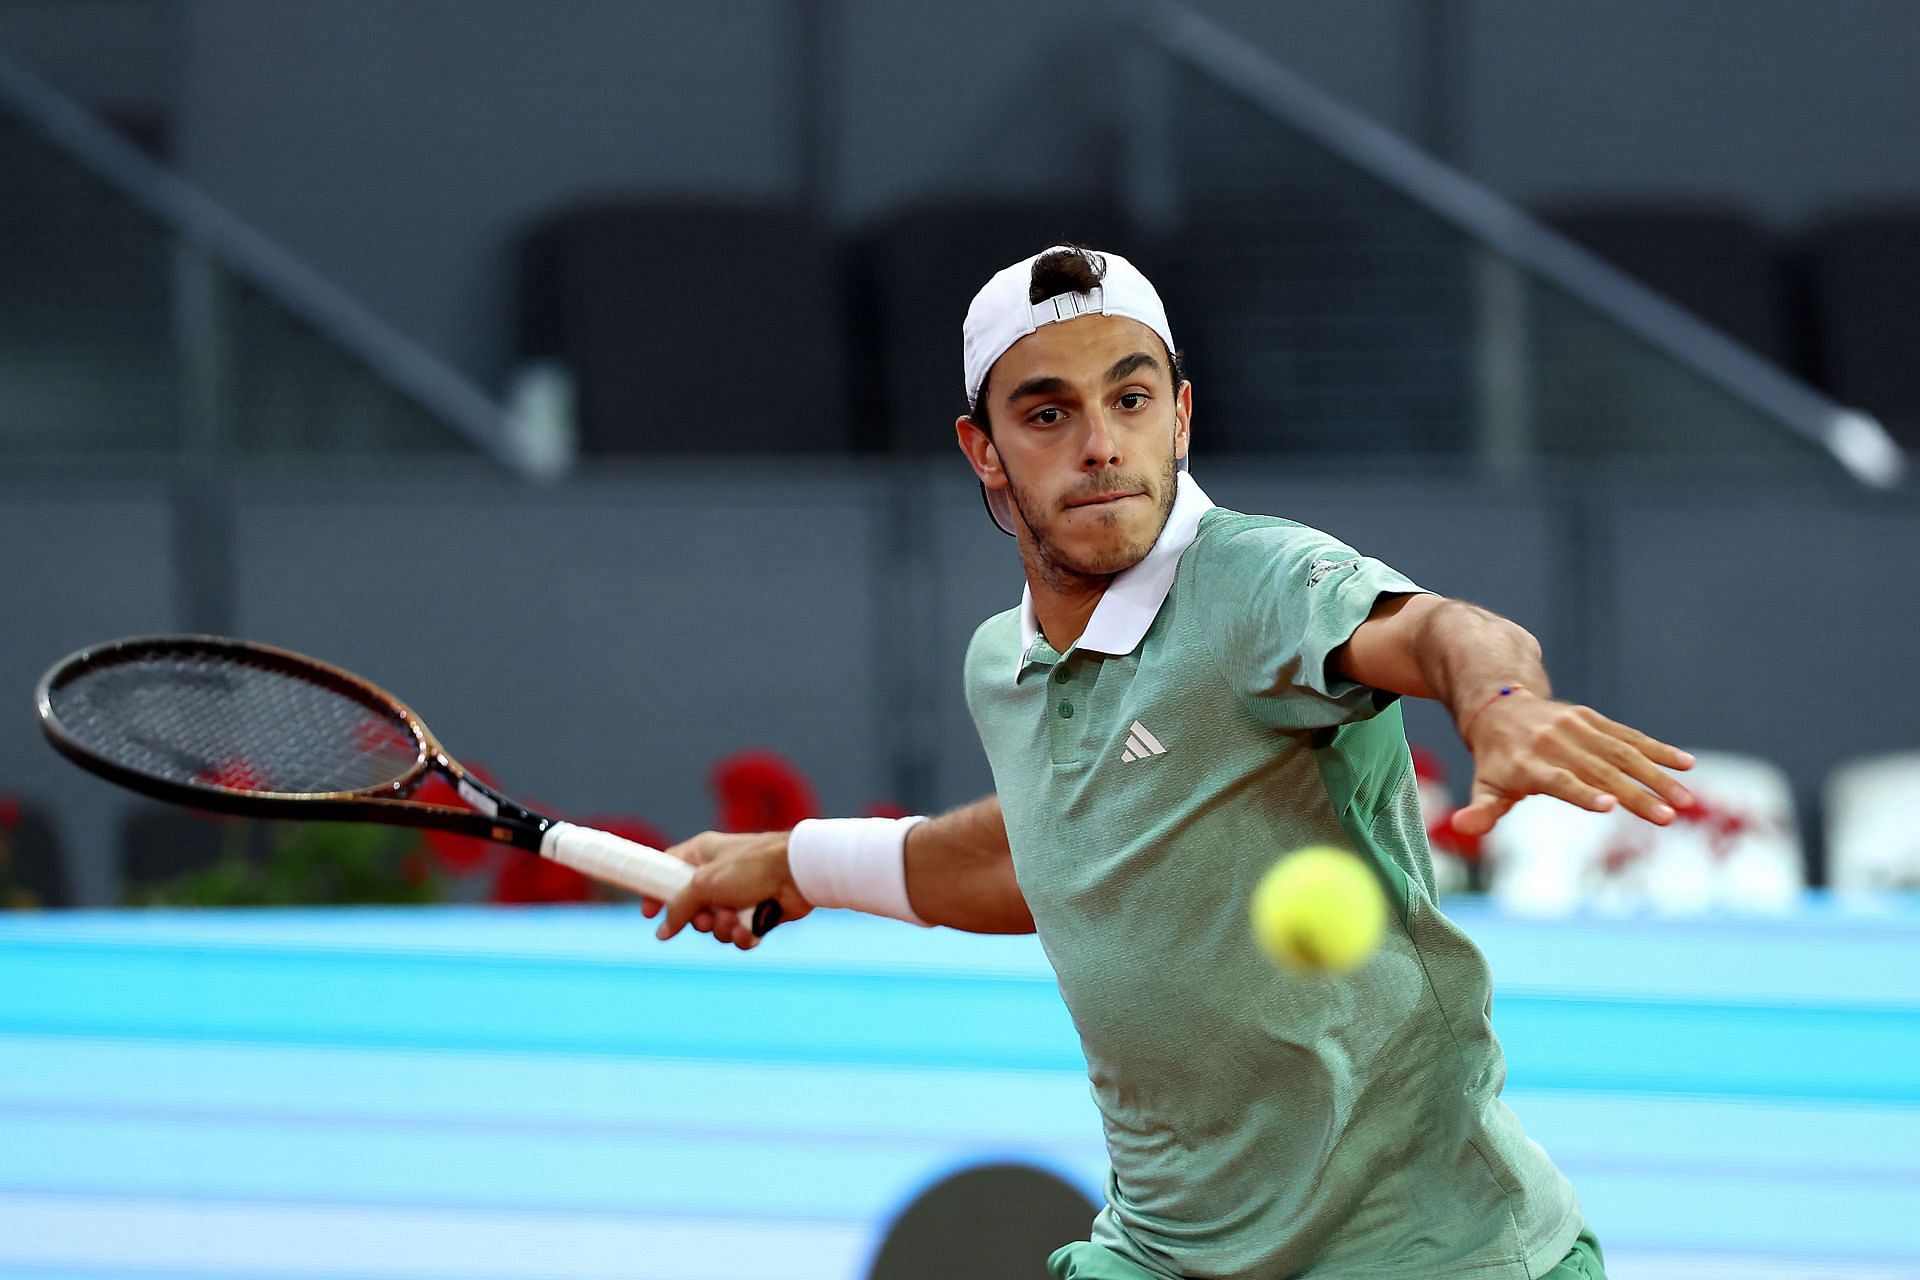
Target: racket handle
column 615, row 860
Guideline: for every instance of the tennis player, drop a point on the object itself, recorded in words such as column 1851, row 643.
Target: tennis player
column 1183, row 694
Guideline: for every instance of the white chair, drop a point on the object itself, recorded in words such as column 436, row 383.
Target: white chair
column 1873, row 824
column 1738, row 848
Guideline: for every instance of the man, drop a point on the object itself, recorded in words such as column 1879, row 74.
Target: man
column 1184, row 694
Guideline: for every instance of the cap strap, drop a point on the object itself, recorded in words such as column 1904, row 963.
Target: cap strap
column 1068, row 306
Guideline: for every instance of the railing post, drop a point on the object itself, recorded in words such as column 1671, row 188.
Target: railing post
column 202, row 515
column 1150, row 182
column 1503, row 408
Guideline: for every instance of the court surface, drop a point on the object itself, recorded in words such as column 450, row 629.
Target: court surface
column 549, row 1093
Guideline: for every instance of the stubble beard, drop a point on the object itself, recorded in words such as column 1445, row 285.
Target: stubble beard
column 1049, row 563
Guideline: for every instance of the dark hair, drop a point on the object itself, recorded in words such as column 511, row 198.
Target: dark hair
column 1068, row 270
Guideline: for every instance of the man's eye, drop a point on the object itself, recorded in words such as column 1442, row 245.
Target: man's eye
column 1134, row 400
column 1047, row 417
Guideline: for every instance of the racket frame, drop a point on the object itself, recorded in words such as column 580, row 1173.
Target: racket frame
column 509, row 822
column 491, row 815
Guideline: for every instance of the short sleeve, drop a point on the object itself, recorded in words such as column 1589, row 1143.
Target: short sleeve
column 1276, row 599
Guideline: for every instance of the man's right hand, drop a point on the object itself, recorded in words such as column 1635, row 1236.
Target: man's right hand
column 733, row 874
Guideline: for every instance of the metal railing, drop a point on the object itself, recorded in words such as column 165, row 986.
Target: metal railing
column 212, row 247
column 1854, row 439
column 1516, row 272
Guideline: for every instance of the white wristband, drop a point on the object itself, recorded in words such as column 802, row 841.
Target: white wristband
column 859, row 863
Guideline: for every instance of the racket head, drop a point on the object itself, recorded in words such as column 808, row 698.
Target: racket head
column 231, row 725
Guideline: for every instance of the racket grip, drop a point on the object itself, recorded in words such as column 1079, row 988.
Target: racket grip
column 615, row 860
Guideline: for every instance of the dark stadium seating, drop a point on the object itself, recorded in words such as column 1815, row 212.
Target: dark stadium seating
column 1717, row 263
column 692, row 328
column 87, row 347
column 914, row 275
column 31, row 871
column 159, row 845
column 1862, row 274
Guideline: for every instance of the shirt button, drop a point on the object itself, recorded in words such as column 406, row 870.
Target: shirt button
column 1062, row 674
column 1066, row 711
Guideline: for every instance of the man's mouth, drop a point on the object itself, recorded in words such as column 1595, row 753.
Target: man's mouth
column 1104, row 498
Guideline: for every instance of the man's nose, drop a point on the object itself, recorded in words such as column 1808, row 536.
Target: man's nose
column 1102, row 445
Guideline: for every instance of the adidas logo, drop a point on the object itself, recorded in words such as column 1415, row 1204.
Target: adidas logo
column 1322, row 569
column 1141, row 744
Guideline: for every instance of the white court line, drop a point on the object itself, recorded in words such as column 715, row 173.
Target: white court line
column 1623, row 1265
column 261, row 1241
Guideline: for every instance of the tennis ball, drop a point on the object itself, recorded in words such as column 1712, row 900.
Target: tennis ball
column 1319, row 908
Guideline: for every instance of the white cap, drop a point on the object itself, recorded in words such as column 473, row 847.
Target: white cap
column 1001, row 315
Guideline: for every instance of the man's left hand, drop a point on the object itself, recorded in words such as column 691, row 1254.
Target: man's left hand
column 1525, row 745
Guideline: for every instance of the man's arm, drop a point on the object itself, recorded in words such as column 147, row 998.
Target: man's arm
column 958, row 866
column 1523, row 742
column 960, row 872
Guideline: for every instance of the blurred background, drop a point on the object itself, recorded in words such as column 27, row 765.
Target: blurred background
column 585, row 373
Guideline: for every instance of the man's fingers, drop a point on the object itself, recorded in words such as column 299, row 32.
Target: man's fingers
column 1659, row 752
column 1487, row 808
column 686, row 908
column 1596, row 775
column 1565, row 784
column 1541, row 780
column 1577, row 755
column 731, row 873
column 693, row 852
column 1629, row 762
column 677, row 919
column 1476, row 819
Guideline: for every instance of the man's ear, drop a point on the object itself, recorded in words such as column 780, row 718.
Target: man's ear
column 1183, row 420
column 978, row 446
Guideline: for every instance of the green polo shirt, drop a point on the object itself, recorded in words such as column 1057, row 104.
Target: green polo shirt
column 1260, row 1124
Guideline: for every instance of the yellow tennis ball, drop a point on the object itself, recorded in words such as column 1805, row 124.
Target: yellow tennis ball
column 1319, row 908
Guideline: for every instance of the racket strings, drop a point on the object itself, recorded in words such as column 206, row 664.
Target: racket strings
column 223, row 721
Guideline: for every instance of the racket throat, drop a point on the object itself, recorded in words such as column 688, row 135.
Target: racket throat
column 513, row 824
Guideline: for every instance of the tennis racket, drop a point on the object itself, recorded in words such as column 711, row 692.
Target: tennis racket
column 235, row 727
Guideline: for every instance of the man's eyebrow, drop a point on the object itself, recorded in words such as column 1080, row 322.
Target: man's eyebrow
column 1044, row 385
column 1049, row 385
column 1127, row 364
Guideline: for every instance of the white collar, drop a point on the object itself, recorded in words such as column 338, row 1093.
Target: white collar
column 1133, row 599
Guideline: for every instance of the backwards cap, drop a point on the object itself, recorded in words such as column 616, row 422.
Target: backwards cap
column 1002, row 314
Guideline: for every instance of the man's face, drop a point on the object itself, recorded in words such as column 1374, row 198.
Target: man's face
column 1087, row 425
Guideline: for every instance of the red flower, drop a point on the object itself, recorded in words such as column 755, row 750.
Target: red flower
column 1724, row 826
column 1442, row 836
column 1427, row 766
column 530, row 879
column 761, row 791
column 456, row 853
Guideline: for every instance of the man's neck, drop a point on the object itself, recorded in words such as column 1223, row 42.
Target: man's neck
column 1063, row 601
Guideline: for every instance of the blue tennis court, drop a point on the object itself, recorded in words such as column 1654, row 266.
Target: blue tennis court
column 456, row 1093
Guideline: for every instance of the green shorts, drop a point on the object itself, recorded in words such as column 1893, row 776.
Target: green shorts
column 1083, row 1261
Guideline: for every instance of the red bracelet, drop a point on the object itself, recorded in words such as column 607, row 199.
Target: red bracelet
column 1506, row 691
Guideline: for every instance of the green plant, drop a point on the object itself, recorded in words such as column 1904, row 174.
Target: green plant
column 310, row 864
